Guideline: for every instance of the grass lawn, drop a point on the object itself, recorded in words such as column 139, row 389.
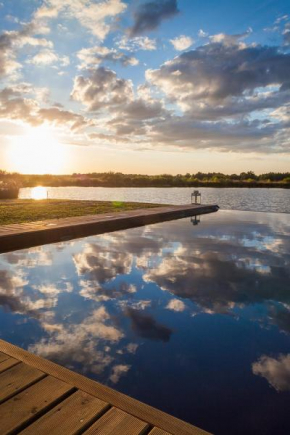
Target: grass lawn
column 14, row 211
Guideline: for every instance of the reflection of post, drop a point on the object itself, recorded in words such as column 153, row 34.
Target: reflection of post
column 195, row 194
column 195, row 220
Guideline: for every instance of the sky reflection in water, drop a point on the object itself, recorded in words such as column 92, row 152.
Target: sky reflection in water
column 192, row 319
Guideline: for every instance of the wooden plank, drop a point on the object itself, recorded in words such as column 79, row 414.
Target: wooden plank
column 157, row 431
column 69, row 417
column 26, row 406
column 138, row 409
column 118, row 422
column 3, row 356
column 17, row 378
column 8, row 363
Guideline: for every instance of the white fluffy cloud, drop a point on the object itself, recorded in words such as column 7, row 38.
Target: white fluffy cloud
column 221, row 70
column 12, row 41
column 101, row 88
column 118, row 371
column 202, row 34
column 19, row 103
column 97, row 17
column 182, row 42
column 44, row 57
column 137, row 43
column 176, row 305
column 218, row 87
column 275, row 370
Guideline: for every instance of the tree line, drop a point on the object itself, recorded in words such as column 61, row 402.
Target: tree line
column 118, row 179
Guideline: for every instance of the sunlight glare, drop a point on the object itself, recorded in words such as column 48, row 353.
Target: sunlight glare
column 37, row 152
column 39, row 192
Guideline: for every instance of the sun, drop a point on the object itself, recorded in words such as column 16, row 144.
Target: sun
column 39, row 192
column 37, row 152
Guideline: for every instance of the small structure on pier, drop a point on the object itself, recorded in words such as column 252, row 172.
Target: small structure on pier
column 195, row 220
column 194, row 197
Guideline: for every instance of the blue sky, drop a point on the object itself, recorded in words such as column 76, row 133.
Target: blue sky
column 144, row 86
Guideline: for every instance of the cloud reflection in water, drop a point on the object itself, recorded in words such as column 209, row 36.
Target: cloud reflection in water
column 102, row 305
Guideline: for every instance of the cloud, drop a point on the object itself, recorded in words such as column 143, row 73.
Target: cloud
column 137, row 43
column 136, row 305
column 125, row 115
column 149, row 15
column 101, row 89
column 53, row 289
column 176, row 305
column 101, row 266
column 11, row 18
column 78, row 343
column 14, row 298
column 96, row 17
column 229, row 40
column 37, row 256
column 14, row 105
column 146, row 326
column 202, row 34
column 60, row 117
column 12, row 41
column 275, row 370
column 118, row 371
column 241, row 136
column 48, row 57
column 221, row 70
column 96, row 55
column 219, row 87
column 182, row 42
column 216, row 280
column 92, row 289
column 44, row 57
column 282, row 18
column 90, row 341
column 133, row 120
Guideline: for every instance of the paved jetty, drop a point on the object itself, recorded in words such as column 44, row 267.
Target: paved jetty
column 38, row 396
column 26, row 235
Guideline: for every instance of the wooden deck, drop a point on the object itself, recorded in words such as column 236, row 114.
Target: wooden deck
column 38, row 397
column 26, row 235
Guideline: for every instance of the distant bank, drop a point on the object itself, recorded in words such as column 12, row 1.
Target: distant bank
column 117, row 179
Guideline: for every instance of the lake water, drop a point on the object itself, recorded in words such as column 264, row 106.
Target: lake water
column 264, row 200
column 197, row 309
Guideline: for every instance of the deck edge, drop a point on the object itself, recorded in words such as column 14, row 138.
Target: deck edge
column 126, row 403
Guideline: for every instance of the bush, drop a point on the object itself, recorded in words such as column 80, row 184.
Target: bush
column 9, row 189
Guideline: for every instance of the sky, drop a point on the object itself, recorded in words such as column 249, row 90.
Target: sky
column 144, row 86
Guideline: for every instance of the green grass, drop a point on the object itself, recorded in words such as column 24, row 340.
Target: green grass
column 29, row 210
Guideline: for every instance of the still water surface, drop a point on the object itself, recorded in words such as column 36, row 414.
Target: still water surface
column 192, row 319
column 266, row 200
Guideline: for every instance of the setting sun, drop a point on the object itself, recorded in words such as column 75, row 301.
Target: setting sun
column 39, row 192
column 37, row 152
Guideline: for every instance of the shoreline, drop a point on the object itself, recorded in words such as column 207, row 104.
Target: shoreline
column 211, row 185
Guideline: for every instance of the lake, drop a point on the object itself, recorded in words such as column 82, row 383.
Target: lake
column 263, row 200
column 199, row 307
